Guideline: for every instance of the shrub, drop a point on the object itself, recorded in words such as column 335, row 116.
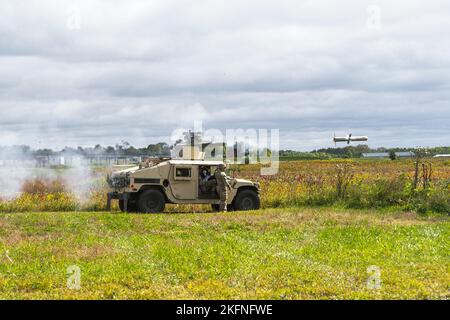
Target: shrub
column 43, row 186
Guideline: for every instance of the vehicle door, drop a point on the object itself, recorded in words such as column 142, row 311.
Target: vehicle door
column 184, row 182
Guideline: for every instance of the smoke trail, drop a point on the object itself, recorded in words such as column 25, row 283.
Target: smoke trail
column 79, row 179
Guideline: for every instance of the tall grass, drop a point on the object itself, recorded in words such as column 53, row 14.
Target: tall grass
column 355, row 184
column 346, row 183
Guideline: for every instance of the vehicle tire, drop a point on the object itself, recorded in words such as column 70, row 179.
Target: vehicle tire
column 132, row 206
column 151, row 201
column 247, row 200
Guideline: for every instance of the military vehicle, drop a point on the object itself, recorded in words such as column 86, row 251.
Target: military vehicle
column 148, row 187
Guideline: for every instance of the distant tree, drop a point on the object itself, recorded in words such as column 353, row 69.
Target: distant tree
column 68, row 150
column 43, row 152
column 122, row 147
column 153, row 148
column 392, row 155
column 131, row 151
column 80, row 151
column 110, row 150
column 158, row 148
column 98, row 149
column 348, row 153
column 25, row 149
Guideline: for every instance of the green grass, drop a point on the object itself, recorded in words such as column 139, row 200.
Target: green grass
column 269, row 254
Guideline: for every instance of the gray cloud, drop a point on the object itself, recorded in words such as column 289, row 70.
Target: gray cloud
column 136, row 71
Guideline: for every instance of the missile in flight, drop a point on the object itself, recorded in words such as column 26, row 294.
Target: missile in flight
column 350, row 138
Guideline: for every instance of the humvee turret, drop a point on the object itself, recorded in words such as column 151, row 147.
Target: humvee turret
column 147, row 188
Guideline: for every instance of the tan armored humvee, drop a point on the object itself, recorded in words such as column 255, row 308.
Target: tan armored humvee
column 147, row 188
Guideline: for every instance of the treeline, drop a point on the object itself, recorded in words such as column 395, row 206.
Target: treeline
column 122, row 149
column 164, row 149
column 297, row 155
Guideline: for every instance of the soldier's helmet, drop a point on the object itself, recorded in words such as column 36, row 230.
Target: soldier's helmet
column 222, row 166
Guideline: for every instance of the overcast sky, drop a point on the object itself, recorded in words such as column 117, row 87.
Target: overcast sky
column 86, row 72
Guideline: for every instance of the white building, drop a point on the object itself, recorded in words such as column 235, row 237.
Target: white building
column 442, row 156
column 384, row 155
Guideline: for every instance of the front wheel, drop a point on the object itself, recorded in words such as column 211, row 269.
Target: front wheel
column 247, row 200
column 151, row 201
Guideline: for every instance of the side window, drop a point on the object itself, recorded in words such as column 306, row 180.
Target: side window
column 204, row 173
column 183, row 173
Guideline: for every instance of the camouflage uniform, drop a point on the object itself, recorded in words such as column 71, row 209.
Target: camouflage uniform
column 223, row 187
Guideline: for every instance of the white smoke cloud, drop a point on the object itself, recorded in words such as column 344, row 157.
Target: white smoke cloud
column 18, row 168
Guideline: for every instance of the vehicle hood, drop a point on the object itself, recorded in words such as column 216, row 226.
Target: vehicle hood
column 125, row 171
column 236, row 183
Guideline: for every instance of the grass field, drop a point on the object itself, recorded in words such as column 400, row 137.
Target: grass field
column 289, row 253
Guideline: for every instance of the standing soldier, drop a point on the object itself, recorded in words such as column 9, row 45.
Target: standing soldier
column 223, row 186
